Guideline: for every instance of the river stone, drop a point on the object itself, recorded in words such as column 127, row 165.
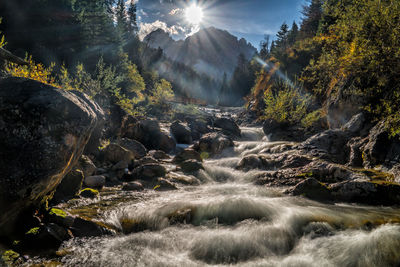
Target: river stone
column 158, row 154
column 86, row 228
column 164, row 185
column 138, row 150
column 214, row 143
column 187, row 154
column 191, row 165
column 43, row 131
column 133, row 186
column 69, row 186
column 97, row 181
column 228, row 125
column 115, row 153
column 181, row 132
column 149, row 171
column 313, row 189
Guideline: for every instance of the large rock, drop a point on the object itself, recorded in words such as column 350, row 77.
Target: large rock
column 181, row 132
column 276, row 131
column 187, row 154
column 114, row 153
column 228, row 126
column 149, row 133
column 378, row 146
column 313, row 189
column 69, row 187
column 86, row 166
column 214, row 143
column 149, row 171
column 96, row 181
column 43, row 131
column 138, row 150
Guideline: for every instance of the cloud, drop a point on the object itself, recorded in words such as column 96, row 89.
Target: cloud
column 175, row 11
column 146, row 28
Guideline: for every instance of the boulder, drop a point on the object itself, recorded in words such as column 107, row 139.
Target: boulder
column 69, row 186
column 158, row 154
column 133, row 186
column 149, row 133
column 164, row 185
column 355, row 144
column 97, row 181
column 313, row 189
column 181, row 132
column 149, row 171
column 356, row 124
column 115, row 153
column 89, row 193
column 214, row 143
column 86, row 165
column 138, row 150
column 277, row 131
column 250, row 162
column 229, row 126
column 331, row 142
column 43, row 132
column 378, row 145
column 187, row 154
column 86, row 228
column 198, row 127
column 191, row 165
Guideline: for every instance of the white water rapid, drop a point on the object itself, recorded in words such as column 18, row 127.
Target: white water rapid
column 230, row 221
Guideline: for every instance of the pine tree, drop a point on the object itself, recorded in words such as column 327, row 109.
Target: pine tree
column 264, row 48
column 294, row 31
column 132, row 17
column 122, row 20
column 312, row 17
column 282, row 36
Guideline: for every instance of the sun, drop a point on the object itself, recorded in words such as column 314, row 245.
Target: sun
column 194, row 14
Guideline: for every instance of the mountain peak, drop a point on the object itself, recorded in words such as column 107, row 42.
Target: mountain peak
column 210, row 50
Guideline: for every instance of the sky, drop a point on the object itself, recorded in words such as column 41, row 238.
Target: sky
column 250, row 19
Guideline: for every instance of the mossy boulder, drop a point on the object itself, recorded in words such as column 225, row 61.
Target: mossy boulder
column 89, row 193
column 43, row 132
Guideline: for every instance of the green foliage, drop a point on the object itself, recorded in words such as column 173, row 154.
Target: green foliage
column 2, row 38
column 10, row 257
column 286, row 103
column 161, row 94
column 311, row 118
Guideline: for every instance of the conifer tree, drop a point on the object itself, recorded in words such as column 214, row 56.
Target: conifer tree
column 294, row 31
column 311, row 20
column 132, row 17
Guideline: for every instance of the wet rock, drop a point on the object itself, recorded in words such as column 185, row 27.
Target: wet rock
column 86, row 228
column 330, row 142
column 149, row 171
column 135, row 147
column 313, row 189
column 182, row 179
column 122, row 165
column 164, row 185
column 158, row 154
column 214, row 143
column 59, row 217
column 180, row 216
column 228, row 126
column 145, row 160
column 198, row 127
column 43, row 132
column 86, row 165
column 250, row 162
column 187, row 154
column 69, row 186
column 89, row 193
column 114, row 153
column 181, row 132
column 97, row 181
column 190, row 165
column 276, row 131
column 367, row 192
column 45, row 237
column 133, row 186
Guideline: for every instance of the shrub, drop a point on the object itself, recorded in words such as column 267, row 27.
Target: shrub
column 285, row 102
column 161, row 94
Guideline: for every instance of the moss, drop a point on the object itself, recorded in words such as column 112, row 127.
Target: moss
column 305, row 175
column 89, row 192
column 33, row 231
column 378, row 176
column 58, row 212
column 10, row 256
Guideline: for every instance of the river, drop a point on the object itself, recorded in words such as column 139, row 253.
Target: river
column 227, row 220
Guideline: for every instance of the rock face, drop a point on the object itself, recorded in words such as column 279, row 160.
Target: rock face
column 43, row 131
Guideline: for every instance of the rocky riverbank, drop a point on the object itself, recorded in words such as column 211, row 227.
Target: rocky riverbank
column 54, row 189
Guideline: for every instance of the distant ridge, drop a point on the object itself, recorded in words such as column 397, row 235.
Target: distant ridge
column 211, row 51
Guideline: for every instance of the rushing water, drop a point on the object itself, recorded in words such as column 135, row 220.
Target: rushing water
column 230, row 221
